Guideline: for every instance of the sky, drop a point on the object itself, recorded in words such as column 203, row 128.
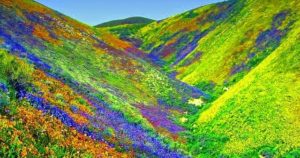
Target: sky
column 93, row 12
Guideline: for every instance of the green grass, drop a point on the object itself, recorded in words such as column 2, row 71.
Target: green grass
column 13, row 69
column 124, row 30
column 259, row 115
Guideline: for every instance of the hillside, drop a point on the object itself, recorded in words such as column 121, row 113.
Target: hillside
column 85, row 79
column 221, row 80
column 125, row 29
column 260, row 114
column 244, row 54
column 214, row 46
column 128, row 21
column 257, row 114
column 25, row 129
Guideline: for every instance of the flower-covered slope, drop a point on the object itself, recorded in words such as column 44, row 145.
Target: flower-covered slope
column 26, row 127
column 214, row 46
column 258, row 116
column 91, row 82
column 245, row 53
column 68, row 89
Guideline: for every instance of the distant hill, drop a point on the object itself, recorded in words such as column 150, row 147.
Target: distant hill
column 131, row 20
column 126, row 29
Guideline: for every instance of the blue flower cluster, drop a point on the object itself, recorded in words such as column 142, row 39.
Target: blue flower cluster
column 187, row 49
column 142, row 141
column 47, row 108
column 273, row 36
column 23, row 33
column 3, row 87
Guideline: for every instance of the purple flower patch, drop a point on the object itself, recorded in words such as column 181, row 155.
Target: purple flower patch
column 158, row 117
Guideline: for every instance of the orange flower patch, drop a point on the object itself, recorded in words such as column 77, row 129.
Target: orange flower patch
column 183, row 25
column 172, row 41
column 32, row 6
column 81, row 142
column 127, row 66
column 112, row 40
column 166, row 133
column 62, row 96
column 8, row 3
column 41, row 32
column 68, row 33
column 65, row 137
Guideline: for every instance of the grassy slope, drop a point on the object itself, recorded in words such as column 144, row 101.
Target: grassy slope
column 230, row 43
column 125, row 29
column 258, row 115
column 214, row 46
column 101, row 68
column 125, row 32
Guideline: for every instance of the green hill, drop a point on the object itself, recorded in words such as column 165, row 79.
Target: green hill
column 131, row 20
column 125, row 29
column 259, row 114
column 244, row 54
column 214, row 46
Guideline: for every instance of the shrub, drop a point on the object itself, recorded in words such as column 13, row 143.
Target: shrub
column 16, row 71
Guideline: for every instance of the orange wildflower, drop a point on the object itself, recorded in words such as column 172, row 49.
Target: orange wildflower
column 41, row 32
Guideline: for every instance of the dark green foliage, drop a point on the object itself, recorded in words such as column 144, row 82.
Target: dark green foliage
column 211, row 89
column 293, row 154
column 14, row 70
column 131, row 20
column 191, row 14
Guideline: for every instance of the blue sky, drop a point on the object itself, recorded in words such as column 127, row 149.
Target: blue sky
column 94, row 12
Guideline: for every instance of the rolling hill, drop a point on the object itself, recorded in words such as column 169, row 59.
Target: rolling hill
column 244, row 54
column 259, row 114
column 214, row 46
column 221, row 80
column 125, row 29
column 127, row 21
column 91, row 82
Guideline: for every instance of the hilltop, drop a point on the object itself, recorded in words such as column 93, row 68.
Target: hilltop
column 125, row 29
column 130, row 20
